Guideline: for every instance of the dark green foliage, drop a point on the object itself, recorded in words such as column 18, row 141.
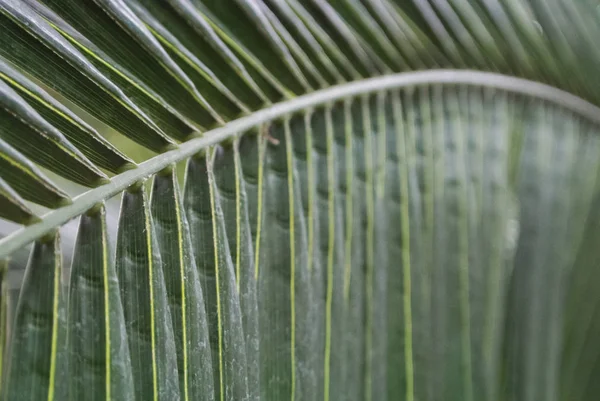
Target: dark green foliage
column 427, row 236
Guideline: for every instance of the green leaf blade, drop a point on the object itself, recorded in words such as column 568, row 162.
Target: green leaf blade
column 284, row 280
column 184, row 291
column 144, row 298
column 37, row 364
column 118, row 33
column 234, row 203
column 98, row 350
column 217, row 275
column 28, row 180
column 31, row 44
column 13, row 207
column 79, row 133
column 43, row 143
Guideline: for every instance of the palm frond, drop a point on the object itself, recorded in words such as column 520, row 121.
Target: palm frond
column 383, row 200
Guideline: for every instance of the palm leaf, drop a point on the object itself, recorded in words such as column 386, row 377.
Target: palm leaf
column 382, row 200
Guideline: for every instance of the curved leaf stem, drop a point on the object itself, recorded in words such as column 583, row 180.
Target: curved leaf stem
column 122, row 181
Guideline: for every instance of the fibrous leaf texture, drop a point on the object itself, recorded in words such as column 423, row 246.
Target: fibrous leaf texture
column 429, row 239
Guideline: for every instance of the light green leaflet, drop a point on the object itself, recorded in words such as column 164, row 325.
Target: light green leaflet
column 117, row 42
column 3, row 315
column 217, row 277
column 355, row 289
column 23, row 128
column 244, row 27
column 234, row 202
column 221, row 67
column 82, row 135
column 13, row 207
column 36, row 48
column 37, row 367
column 284, row 288
column 184, row 292
column 28, row 180
column 157, row 16
column 144, row 298
column 305, row 165
column 98, row 350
